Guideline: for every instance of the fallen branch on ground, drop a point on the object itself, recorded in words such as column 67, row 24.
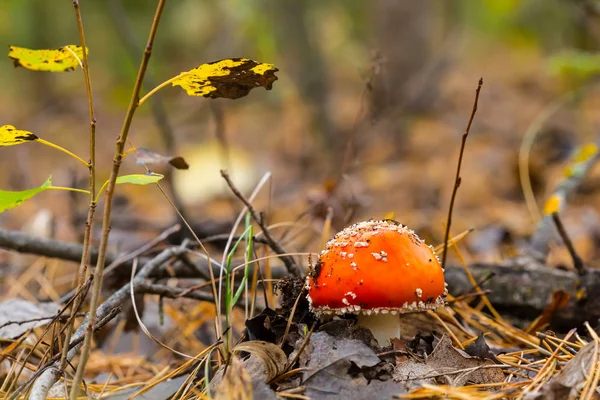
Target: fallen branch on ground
column 524, row 287
column 519, row 284
column 51, row 374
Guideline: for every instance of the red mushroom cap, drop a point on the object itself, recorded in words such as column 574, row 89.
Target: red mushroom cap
column 376, row 266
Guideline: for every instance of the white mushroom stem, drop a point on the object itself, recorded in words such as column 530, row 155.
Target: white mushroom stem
column 382, row 326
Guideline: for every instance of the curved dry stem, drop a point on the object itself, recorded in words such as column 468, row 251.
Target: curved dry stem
column 525, row 149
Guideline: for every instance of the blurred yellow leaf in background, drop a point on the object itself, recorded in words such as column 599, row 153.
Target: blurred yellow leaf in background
column 553, row 205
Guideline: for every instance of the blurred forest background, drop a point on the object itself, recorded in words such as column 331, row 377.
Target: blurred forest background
column 395, row 79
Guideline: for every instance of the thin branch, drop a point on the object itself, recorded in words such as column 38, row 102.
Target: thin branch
column 577, row 261
column 225, row 236
column 582, row 162
column 87, row 234
column 62, row 317
column 457, row 180
column 23, row 243
column 52, row 372
column 109, row 196
column 289, row 262
column 42, row 386
column 170, row 292
column 146, row 247
column 68, row 305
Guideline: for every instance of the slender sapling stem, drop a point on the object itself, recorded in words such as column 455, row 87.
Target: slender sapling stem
column 87, row 233
column 458, row 179
column 577, row 261
column 94, row 302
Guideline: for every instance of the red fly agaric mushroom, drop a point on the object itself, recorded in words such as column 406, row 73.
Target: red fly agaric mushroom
column 378, row 270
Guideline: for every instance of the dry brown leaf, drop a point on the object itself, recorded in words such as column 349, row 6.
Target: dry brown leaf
column 17, row 316
column 273, row 357
column 567, row 383
column 447, row 358
column 340, row 368
column 413, row 374
column 453, row 366
column 480, row 349
column 236, row 384
column 148, row 157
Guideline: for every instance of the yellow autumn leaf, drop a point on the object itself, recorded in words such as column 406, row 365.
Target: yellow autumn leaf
column 584, row 155
column 230, row 78
column 586, row 152
column 390, row 215
column 67, row 58
column 553, row 205
column 10, row 136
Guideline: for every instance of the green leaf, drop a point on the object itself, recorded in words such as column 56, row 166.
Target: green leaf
column 10, row 136
column 65, row 59
column 574, row 64
column 230, row 78
column 12, row 199
column 139, row 179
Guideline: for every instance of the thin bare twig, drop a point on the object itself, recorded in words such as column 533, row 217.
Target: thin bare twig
column 110, row 190
column 84, row 288
column 577, row 261
column 457, row 180
column 225, row 236
column 136, row 253
column 172, row 292
column 40, row 391
column 128, row 258
column 24, row 243
column 289, row 262
column 62, row 317
column 87, row 234
column 52, row 373
column 581, row 163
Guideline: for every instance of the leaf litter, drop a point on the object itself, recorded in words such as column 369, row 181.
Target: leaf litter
column 18, row 316
column 292, row 354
